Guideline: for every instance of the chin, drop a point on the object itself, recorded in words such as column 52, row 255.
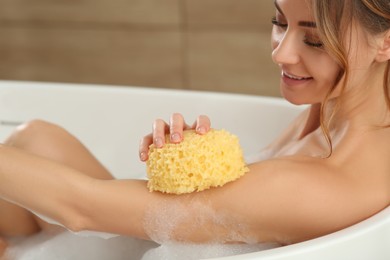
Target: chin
column 296, row 99
column 301, row 97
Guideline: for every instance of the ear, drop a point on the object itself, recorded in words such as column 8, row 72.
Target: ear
column 383, row 54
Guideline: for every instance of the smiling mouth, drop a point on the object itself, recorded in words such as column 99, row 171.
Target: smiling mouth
column 285, row 74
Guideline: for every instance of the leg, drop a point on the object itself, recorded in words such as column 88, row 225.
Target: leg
column 16, row 221
column 3, row 247
column 53, row 142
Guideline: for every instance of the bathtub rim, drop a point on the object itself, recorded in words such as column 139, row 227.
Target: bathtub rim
column 68, row 86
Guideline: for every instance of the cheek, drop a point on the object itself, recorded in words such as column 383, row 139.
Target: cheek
column 326, row 70
column 360, row 58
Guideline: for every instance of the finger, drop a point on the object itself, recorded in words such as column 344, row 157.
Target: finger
column 144, row 147
column 159, row 129
column 176, row 127
column 202, row 124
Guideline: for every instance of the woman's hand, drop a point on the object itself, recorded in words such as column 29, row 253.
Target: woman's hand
column 174, row 128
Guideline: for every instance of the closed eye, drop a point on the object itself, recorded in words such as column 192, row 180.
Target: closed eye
column 275, row 22
column 314, row 44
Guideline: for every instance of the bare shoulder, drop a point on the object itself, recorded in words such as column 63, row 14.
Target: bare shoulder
column 298, row 198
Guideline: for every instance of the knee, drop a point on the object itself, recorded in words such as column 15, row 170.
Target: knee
column 35, row 126
column 33, row 132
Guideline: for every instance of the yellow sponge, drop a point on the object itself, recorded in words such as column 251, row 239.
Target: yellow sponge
column 197, row 163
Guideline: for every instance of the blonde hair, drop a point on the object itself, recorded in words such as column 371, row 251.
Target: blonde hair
column 333, row 17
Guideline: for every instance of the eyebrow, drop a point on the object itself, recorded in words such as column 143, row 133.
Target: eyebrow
column 300, row 23
column 307, row 24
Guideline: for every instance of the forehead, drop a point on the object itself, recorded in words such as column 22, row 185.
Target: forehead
column 295, row 8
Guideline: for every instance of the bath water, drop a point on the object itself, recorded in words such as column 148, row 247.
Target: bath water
column 67, row 245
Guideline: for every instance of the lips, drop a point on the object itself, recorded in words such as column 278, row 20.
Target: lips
column 291, row 76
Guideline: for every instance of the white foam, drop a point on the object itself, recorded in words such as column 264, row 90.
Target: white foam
column 170, row 221
column 174, row 251
column 103, row 235
column 66, row 245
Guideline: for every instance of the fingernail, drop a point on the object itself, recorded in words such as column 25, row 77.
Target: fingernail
column 175, row 138
column 143, row 156
column 158, row 142
column 201, row 130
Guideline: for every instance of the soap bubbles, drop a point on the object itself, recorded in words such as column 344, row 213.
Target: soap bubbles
column 67, row 245
column 175, row 251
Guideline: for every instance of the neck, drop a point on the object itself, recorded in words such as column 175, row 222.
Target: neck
column 313, row 120
column 364, row 105
column 360, row 109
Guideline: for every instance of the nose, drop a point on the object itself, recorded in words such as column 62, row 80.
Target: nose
column 285, row 51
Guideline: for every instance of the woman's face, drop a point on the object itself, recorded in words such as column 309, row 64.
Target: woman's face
column 307, row 70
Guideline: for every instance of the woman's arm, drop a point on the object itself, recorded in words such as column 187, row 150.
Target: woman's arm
column 41, row 185
column 284, row 200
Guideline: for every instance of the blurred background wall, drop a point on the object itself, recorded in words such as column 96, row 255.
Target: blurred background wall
column 214, row 45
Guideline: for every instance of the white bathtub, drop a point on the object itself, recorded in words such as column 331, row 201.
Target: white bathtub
column 111, row 121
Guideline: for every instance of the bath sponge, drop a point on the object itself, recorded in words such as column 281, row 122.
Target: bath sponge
column 199, row 162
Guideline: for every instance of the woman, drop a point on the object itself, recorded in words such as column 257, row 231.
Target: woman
column 328, row 170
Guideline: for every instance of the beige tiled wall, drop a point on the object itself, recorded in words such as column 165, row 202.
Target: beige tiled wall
column 215, row 45
column 92, row 56
column 247, row 14
column 102, row 11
